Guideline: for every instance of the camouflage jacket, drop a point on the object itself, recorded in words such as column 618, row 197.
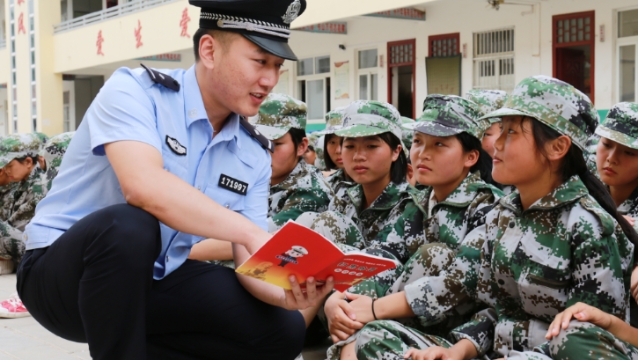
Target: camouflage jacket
column 629, row 207
column 304, row 190
column 377, row 221
column 463, row 210
column 564, row 249
column 26, row 197
column 338, row 182
column 7, row 194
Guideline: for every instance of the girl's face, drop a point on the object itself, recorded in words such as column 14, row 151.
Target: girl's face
column 368, row 159
column 18, row 171
column 333, row 148
column 438, row 161
column 489, row 137
column 617, row 164
column 285, row 157
column 516, row 159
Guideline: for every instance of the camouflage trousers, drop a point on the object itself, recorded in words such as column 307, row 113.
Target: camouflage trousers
column 419, row 279
column 583, row 340
column 11, row 244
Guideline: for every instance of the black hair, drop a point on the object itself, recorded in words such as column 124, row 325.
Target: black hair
column 297, row 136
column 574, row 164
column 310, row 148
column 22, row 159
column 484, row 163
column 330, row 165
column 218, row 34
column 399, row 167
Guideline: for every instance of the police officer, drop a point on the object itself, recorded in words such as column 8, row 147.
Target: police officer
column 161, row 161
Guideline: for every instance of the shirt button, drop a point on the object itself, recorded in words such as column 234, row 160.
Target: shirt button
column 227, row 206
column 512, row 224
column 167, row 258
column 199, row 188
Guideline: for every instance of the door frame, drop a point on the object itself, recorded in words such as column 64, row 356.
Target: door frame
column 591, row 42
column 412, row 63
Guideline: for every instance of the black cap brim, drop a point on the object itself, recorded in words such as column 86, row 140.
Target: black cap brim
column 276, row 48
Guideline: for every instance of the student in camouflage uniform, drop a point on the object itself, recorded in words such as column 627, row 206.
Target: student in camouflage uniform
column 489, row 101
column 52, row 153
column 546, row 247
column 339, row 181
column 19, row 160
column 295, row 186
column 448, row 157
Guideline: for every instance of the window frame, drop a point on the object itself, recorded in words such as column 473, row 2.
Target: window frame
column 368, row 72
column 314, row 77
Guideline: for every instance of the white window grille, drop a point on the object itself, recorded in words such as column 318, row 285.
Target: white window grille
column 494, row 60
column 313, row 85
column 368, row 74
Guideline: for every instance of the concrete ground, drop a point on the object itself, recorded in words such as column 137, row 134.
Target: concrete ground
column 25, row 339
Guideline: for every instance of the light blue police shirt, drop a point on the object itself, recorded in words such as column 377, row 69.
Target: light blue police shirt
column 131, row 106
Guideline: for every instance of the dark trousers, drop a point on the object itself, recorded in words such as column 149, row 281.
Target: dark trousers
column 94, row 284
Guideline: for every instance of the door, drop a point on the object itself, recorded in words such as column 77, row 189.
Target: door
column 402, row 76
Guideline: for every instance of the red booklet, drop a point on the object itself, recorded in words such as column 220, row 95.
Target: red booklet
column 297, row 250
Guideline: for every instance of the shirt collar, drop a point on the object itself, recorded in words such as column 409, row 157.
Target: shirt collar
column 195, row 110
column 628, row 206
column 568, row 192
column 390, row 196
column 193, row 102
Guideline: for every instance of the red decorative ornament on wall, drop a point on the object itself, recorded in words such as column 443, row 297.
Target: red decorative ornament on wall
column 183, row 23
column 138, row 35
column 98, row 43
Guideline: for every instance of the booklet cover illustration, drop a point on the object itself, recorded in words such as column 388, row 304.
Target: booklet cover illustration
column 297, row 250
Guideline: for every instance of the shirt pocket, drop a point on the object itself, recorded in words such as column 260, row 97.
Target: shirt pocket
column 544, row 290
column 225, row 198
column 176, row 166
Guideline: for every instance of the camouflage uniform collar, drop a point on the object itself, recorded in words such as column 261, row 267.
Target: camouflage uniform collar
column 387, row 200
column 630, row 204
column 301, row 169
column 462, row 196
column 567, row 193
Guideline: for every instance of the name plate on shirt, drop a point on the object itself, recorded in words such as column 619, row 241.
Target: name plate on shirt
column 234, row 185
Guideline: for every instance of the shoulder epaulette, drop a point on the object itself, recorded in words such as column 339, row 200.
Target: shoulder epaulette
column 162, row 79
column 265, row 143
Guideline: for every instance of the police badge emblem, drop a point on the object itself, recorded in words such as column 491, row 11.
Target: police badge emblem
column 292, row 12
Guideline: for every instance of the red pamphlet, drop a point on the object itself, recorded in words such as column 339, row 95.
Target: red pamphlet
column 297, row 250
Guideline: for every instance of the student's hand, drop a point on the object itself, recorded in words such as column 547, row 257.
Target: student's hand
column 634, row 283
column 580, row 312
column 432, row 353
column 341, row 318
column 299, row 299
column 630, row 220
column 362, row 307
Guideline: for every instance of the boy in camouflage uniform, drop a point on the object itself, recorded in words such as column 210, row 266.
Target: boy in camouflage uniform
column 18, row 207
column 305, row 188
column 437, row 280
column 52, row 153
column 562, row 249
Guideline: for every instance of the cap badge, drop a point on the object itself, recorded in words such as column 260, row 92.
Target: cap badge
column 293, row 12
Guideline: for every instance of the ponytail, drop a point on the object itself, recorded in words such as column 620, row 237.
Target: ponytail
column 574, row 164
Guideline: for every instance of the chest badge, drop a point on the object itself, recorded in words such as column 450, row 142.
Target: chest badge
column 175, row 146
column 234, row 185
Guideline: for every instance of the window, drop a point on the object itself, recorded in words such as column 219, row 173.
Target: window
column 627, row 52
column 34, row 104
column 66, row 108
column 313, row 85
column 12, row 51
column 368, row 74
column 444, row 45
column 494, row 60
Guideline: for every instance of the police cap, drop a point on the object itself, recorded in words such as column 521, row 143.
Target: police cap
column 264, row 22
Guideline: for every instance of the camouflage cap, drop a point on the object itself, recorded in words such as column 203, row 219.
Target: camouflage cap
column 17, row 146
column 278, row 114
column 367, row 118
column 447, row 115
column 621, row 124
column 334, row 120
column 407, row 135
column 487, row 101
column 43, row 137
column 56, row 147
column 556, row 104
column 319, row 149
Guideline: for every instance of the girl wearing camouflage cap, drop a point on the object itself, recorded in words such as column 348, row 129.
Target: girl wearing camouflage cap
column 448, row 159
column 617, row 163
column 549, row 245
column 339, row 181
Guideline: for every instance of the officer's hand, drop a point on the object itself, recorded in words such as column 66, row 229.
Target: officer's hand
column 341, row 318
column 634, row 283
column 362, row 307
column 298, row 299
column 580, row 312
